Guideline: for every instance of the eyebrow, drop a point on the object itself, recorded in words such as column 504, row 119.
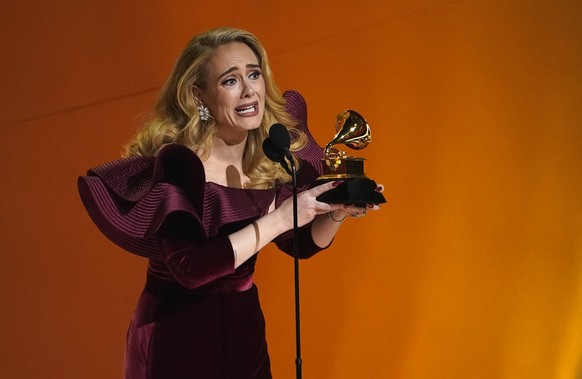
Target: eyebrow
column 250, row 65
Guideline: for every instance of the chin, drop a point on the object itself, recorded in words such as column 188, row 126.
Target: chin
column 251, row 124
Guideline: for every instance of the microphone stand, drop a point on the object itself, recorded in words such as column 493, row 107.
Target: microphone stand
column 277, row 149
column 298, row 361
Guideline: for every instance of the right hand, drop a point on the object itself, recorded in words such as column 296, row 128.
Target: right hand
column 308, row 207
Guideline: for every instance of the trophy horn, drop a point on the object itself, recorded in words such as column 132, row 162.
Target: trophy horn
column 352, row 130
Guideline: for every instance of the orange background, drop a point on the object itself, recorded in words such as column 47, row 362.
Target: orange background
column 472, row 270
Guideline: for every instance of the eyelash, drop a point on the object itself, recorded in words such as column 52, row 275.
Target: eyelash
column 256, row 73
column 231, row 81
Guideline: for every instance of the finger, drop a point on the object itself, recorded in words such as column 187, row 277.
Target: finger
column 337, row 207
column 354, row 208
column 321, row 208
column 373, row 207
column 323, row 188
column 380, row 188
column 359, row 213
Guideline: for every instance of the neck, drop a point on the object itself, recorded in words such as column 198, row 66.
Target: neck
column 225, row 163
column 229, row 151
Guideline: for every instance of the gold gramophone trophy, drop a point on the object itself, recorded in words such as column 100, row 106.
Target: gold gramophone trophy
column 354, row 132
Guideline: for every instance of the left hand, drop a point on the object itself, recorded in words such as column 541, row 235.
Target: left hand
column 356, row 211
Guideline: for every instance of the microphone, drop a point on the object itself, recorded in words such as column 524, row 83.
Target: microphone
column 273, row 153
column 281, row 140
column 276, row 147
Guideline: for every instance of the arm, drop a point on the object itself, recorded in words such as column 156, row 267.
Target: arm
column 325, row 228
column 247, row 241
column 195, row 261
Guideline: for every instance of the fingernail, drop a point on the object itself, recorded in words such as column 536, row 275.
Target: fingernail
column 378, row 189
column 337, row 183
column 370, row 205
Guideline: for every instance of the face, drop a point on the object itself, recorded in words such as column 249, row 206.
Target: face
column 235, row 89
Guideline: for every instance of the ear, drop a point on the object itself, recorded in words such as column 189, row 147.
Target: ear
column 197, row 95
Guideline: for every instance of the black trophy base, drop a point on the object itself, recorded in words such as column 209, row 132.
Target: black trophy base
column 357, row 191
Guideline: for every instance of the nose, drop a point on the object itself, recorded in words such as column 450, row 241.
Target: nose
column 248, row 89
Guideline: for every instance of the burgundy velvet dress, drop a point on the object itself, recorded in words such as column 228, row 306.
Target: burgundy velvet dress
column 197, row 317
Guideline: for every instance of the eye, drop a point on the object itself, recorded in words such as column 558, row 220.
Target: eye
column 255, row 75
column 229, row 82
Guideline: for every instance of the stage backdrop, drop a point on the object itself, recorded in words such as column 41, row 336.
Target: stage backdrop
column 471, row 270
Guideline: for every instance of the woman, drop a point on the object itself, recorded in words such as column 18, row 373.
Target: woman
column 197, row 196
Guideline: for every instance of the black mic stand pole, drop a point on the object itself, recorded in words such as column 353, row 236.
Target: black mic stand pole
column 298, row 360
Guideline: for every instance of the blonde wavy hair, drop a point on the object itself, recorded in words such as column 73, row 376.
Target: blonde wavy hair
column 175, row 117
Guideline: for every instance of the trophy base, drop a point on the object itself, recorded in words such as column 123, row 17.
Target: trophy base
column 357, row 191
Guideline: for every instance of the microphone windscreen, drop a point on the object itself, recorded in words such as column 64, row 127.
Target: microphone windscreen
column 279, row 136
column 274, row 154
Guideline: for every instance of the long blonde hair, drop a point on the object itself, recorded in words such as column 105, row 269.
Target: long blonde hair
column 176, row 119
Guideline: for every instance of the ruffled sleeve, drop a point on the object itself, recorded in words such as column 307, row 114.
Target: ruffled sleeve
column 154, row 207
column 128, row 199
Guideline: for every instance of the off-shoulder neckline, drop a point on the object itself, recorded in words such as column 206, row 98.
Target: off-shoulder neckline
column 221, row 186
